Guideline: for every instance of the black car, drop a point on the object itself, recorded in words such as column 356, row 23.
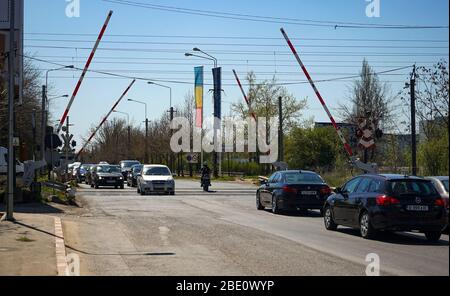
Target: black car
column 132, row 175
column 125, row 167
column 292, row 190
column 107, row 175
column 375, row 203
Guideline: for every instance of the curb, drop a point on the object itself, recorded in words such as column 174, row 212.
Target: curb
column 61, row 262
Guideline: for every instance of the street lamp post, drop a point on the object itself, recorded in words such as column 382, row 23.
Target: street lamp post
column 49, row 177
column 217, row 156
column 171, row 111
column 128, row 129
column 44, row 115
column 146, row 128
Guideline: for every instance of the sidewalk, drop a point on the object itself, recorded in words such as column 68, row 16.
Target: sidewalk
column 27, row 246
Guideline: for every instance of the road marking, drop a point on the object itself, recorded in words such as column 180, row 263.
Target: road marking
column 61, row 263
column 164, row 233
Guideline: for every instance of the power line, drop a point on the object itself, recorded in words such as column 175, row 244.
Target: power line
column 267, row 19
column 236, row 52
column 236, row 44
column 182, row 82
column 239, row 37
column 250, row 61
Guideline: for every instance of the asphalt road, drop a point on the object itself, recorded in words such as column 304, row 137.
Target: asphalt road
column 221, row 233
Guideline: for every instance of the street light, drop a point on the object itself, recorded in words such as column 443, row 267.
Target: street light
column 211, row 58
column 171, row 111
column 128, row 129
column 165, row 86
column 44, row 115
column 146, row 128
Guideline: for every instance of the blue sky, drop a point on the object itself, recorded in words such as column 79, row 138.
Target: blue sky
column 325, row 59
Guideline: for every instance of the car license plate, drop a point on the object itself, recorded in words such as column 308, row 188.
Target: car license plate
column 309, row 192
column 111, row 181
column 417, row 208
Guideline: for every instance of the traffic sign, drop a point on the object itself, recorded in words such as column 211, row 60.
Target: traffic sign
column 192, row 158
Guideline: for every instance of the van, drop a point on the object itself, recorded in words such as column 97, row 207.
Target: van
column 20, row 168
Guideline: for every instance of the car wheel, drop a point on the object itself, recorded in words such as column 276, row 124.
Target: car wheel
column 328, row 220
column 275, row 208
column 122, row 187
column 433, row 236
column 92, row 185
column 365, row 227
column 259, row 206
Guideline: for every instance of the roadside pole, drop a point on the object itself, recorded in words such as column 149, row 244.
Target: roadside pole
column 413, row 122
column 67, row 149
column 43, row 124
column 11, row 91
column 280, row 130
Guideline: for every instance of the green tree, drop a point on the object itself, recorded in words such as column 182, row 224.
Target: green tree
column 315, row 149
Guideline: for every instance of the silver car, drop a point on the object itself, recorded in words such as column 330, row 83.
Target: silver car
column 155, row 179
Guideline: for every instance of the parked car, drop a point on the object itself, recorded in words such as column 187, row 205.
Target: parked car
column 80, row 173
column 376, row 203
column 292, row 190
column 103, row 163
column 441, row 185
column 155, row 179
column 133, row 174
column 107, row 176
column 125, row 166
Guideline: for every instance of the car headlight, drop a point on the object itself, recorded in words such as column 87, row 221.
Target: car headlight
column 121, row 178
column 100, row 178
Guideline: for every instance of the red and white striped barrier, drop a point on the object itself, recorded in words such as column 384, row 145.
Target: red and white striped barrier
column 337, row 128
column 245, row 96
column 86, row 67
column 105, row 118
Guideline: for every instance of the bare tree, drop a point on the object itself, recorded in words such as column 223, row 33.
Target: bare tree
column 369, row 99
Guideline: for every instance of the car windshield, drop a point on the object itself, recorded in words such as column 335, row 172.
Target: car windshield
column 445, row 183
column 128, row 164
column 156, row 171
column 411, row 187
column 302, row 178
column 85, row 166
column 108, row 169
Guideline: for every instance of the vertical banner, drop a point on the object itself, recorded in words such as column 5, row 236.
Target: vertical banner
column 199, row 96
column 217, row 76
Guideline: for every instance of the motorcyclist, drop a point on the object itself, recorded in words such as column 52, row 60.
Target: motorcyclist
column 205, row 172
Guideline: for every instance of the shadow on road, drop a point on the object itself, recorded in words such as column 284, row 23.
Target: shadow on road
column 397, row 238
column 311, row 214
column 121, row 253
column 33, row 208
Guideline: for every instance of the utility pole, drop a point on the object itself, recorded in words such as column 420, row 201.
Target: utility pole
column 67, row 149
column 11, row 95
column 171, row 160
column 146, row 140
column 280, row 130
column 413, row 122
column 43, row 121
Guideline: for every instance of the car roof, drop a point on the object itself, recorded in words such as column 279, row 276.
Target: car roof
column 297, row 171
column 394, row 176
column 440, row 178
column 155, row 166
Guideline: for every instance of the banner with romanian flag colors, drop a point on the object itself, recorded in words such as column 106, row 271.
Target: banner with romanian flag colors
column 199, row 96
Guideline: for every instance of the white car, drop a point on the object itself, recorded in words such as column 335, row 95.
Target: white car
column 155, row 179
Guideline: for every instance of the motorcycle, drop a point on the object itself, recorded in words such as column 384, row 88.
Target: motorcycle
column 206, row 182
